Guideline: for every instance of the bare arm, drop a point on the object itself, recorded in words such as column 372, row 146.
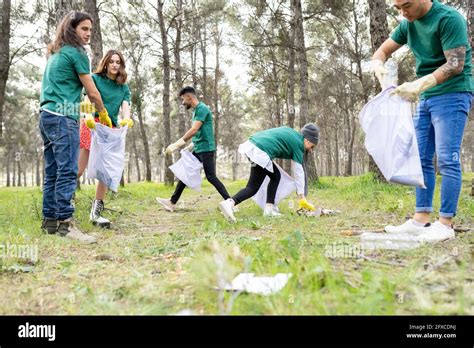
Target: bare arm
column 454, row 64
column 91, row 91
column 125, row 109
column 385, row 50
column 194, row 129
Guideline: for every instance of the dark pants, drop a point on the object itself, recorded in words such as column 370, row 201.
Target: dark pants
column 209, row 165
column 61, row 151
column 257, row 175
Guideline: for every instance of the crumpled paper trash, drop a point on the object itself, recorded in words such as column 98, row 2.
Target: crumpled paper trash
column 248, row 282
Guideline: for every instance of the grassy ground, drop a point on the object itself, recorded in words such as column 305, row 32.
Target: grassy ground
column 154, row 262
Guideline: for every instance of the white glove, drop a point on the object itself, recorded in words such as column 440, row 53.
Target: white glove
column 190, row 147
column 378, row 68
column 411, row 90
column 175, row 146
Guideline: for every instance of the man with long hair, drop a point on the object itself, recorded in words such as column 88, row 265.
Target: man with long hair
column 67, row 73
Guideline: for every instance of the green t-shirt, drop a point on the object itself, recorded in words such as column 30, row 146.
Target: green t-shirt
column 204, row 138
column 282, row 142
column 113, row 94
column 442, row 28
column 61, row 87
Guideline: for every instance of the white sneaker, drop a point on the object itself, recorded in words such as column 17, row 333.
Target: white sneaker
column 437, row 232
column 271, row 210
column 166, row 203
column 227, row 208
column 407, row 227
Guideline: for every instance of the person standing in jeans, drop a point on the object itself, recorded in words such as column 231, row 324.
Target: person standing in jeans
column 438, row 36
column 67, row 72
column 202, row 134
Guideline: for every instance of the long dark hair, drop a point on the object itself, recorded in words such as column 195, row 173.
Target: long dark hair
column 102, row 67
column 66, row 32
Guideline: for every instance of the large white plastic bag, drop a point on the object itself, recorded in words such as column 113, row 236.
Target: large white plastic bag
column 391, row 139
column 188, row 170
column 107, row 155
column 286, row 186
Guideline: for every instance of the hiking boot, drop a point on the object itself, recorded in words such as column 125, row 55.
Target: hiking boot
column 95, row 215
column 166, row 203
column 227, row 208
column 49, row 226
column 408, row 227
column 66, row 229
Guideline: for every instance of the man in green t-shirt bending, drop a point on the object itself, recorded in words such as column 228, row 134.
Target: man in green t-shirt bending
column 438, row 37
column 202, row 134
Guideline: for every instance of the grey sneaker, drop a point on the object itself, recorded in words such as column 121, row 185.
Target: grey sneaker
column 66, row 229
column 95, row 215
column 166, row 203
column 49, row 226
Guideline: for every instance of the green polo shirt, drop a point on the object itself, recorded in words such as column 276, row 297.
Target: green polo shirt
column 61, row 87
column 203, row 140
column 441, row 29
column 113, row 94
column 282, row 142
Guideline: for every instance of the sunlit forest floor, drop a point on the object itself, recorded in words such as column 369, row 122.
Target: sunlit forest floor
column 155, row 262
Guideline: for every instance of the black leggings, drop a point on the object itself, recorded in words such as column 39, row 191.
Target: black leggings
column 209, row 165
column 257, row 175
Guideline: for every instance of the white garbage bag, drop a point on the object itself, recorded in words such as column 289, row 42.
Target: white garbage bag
column 286, row 186
column 107, row 155
column 391, row 139
column 188, row 170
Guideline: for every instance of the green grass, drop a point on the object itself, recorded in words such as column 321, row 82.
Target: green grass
column 154, row 262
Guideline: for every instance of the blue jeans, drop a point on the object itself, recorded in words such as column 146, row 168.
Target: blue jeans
column 61, row 151
column 439, row 124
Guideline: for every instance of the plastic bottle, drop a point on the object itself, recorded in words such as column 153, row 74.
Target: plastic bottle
column 391, row 241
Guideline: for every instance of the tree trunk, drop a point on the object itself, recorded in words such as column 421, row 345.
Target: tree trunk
column 63, row 7
column 378, row 34
column 291, row 77
column 8, row 168
column 96, row 35
column 178, row 68
column 216, row 86
column 303, row 74
column 203, row 38
column 139, row 108
column 169, row 177
column 4, row 56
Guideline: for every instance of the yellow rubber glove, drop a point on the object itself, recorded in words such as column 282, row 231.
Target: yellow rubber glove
column 87, row 108
column 175, row 146
column 126, row 122
column 104, row 118
column 89, row 122
column 378, row 68
column 304, row 204
column 411, row 90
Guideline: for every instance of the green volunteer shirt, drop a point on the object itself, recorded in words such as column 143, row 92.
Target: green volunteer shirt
column 282, row 142
column 61, row 87
column 113, row 94
column 442, row 28
column 203, row 140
